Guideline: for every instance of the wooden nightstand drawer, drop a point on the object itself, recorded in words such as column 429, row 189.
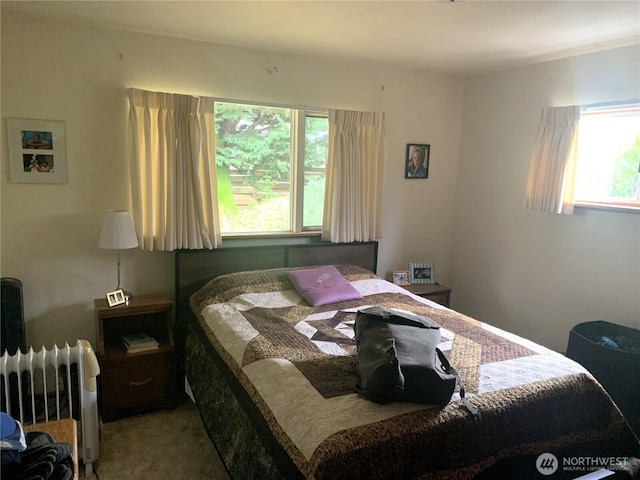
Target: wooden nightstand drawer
column 138, row 382
column 434, row 292
column 441, row 298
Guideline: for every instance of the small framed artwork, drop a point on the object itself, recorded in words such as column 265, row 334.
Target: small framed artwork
column 37, row 151
column 416, row 163
column 401, row 277
column 115, row 298
column 422, row 272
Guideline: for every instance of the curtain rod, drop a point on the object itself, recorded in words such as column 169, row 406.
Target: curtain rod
column 307, row 108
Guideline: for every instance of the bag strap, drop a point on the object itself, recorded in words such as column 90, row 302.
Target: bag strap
column 448, row 368
column 399, row 317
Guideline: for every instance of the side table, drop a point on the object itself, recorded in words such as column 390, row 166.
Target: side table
column 433, row 291
column 135, row 382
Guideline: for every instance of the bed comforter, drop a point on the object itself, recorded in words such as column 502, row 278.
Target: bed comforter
column 295, row 364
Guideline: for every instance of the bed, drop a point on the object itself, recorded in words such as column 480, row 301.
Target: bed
column 274, row 380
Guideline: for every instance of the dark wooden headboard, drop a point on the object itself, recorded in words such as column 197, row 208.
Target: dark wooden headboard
column 194, row 268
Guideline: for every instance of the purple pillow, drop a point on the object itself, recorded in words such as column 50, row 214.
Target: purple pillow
column 322, row 285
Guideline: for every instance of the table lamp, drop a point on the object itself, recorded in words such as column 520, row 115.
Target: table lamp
column 118, row 233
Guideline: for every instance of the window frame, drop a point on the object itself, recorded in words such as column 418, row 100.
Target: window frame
column 298, row 213
column 621, row 206
column 299, row 115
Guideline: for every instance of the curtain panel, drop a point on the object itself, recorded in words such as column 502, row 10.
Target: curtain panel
column 551, row 183
column 172, row 166
column 355, row 174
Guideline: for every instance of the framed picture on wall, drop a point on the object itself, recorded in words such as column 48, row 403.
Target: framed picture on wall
column 416, row 164
column 422, row 273
column 37, row 151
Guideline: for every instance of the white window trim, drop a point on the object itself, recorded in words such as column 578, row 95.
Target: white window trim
column 611, row 207
column 298, row 116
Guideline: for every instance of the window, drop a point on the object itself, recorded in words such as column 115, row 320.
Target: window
column 608, row 164
column 270, row 163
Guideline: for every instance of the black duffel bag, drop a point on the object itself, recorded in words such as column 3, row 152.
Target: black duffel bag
column 398, row 359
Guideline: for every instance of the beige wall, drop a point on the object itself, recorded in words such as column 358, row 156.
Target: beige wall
column 49, row 233
column 533, row 273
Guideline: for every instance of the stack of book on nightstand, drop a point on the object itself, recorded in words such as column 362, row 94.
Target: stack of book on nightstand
column 139, row 342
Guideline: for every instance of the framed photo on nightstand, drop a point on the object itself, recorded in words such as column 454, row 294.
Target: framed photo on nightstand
column 401, row 277
column 422, row 273
column 115, row 298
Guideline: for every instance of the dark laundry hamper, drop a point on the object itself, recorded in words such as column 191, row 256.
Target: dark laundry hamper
column 617, row 369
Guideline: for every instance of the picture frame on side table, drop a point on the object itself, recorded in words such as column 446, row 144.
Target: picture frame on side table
column 422, row 273
column 115, row 298
column 37, row 151
column 416, row 160
column 401, row 277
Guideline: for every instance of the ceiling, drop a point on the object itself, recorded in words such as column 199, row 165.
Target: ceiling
column 463, row 37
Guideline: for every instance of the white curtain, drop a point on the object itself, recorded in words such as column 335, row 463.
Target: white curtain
column 355, row 173
column 173, row 177
column 551, row 184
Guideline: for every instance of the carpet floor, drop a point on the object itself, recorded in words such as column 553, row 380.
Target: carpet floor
column 165, row 444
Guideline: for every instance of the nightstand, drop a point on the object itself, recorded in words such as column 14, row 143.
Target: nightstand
column 433, row 291
column 135, row 382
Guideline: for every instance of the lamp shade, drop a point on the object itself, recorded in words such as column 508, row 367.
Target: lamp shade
column 118, row 231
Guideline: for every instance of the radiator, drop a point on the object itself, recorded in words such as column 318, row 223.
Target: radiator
column 52, row 385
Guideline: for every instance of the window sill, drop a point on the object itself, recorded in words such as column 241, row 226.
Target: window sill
column 619, row 208
column 235, row 236
column 254, row 240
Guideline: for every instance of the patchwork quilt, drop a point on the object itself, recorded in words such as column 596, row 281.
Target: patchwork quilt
column 297, row 365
